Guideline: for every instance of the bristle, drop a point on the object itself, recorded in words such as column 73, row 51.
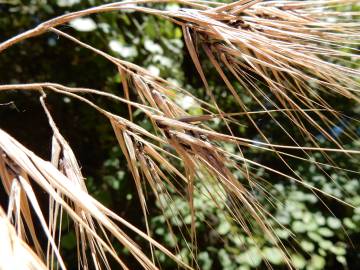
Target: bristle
column 287, row 57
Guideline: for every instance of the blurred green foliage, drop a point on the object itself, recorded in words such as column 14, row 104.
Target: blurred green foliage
column 321, row 238
column 324, row 233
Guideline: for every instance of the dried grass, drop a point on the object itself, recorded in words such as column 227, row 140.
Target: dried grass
column 287, row 46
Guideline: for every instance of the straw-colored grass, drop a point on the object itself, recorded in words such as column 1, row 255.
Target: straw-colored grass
column 291, row 54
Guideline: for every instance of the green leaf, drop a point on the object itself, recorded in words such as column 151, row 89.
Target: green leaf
column 307, row 246
column 153, row 47
column 224, row 258
column 298, row 227
column 322, row 252
column 326, row 232
column 126, row 51
column 68, row 241
column 314, row 236
column 298, row 214
column 298, row 261
column 334, row 223
column 282, row 233
column 311, row 225
column 67, row 3
column 319, row 218
column 341, row 259
column 251, row 257
column 349, row 223
column 205, row 260
column 83, row 24
column 224, row 228
column 273, row 255
column 326, row 244
column 160, row 231
column 316, row 262
column 338, row 250
column 177, row 33
column 150, row 28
